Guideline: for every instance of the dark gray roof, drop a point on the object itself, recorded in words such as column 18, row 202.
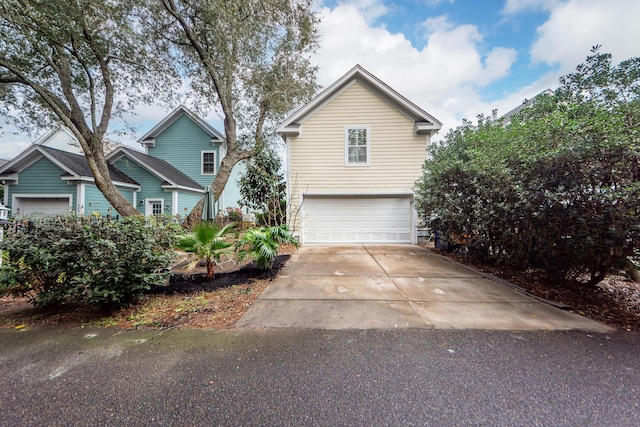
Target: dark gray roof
column 161, row 167
column 78, row 165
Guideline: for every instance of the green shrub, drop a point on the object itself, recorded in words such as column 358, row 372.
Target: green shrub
column 86, row 260
column 262, row 244
column 557, row 188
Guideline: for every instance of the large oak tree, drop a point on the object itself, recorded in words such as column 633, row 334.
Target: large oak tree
column 77, row 63
column 249, row 58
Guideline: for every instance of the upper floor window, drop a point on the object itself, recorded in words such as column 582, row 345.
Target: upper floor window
column 208, row 163
column 357, row 146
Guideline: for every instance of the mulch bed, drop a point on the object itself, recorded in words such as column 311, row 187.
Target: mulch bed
column 185, row 283
column 188, row 301
column 614, row 301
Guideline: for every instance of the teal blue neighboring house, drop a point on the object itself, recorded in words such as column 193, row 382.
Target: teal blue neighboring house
column 182, row 156
column 192, row 146
column 43, row 180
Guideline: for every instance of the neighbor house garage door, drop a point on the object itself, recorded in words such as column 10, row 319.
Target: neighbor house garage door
column 356, row 219
column 43, row 205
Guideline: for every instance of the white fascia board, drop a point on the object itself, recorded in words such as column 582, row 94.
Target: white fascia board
column 23, row 160
column 119, row 153
column 57, row 163
column 292, row 129
column 171, row 187
column 151, row 142
column 374, row 83
column 11, row 177
column 425, row 128
column 172, row 117
column 88, row 179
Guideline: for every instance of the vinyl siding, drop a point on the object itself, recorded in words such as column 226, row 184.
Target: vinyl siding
column 317, row 156
column 181, row 145
column 186, row 202
column 231, row 193
column 42, row 177
column 151, row 186
column 94, row 200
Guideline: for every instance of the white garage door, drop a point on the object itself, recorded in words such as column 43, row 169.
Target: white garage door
column 43, row 206
column 356, row 219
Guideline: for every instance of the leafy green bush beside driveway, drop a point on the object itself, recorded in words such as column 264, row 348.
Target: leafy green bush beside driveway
column 87, row 260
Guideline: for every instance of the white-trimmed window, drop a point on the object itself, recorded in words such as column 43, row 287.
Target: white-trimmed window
column 208, row 163
column 154, row 207
column 357, row 146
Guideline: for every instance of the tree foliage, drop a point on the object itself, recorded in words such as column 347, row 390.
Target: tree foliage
column 263, row 188
column 558, row 187
column 76, row 63
column 251, row 58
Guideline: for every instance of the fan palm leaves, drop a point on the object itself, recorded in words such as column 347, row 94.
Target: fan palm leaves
column 262, row 244
column 207, row 241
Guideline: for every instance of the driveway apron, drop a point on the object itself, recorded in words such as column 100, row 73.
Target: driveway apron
column 396, row 286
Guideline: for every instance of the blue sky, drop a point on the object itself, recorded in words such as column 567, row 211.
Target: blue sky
column 454, row 58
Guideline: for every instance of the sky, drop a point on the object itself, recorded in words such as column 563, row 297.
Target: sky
column 453, row 58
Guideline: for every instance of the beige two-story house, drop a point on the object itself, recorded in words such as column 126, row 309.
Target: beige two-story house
column 353, row 155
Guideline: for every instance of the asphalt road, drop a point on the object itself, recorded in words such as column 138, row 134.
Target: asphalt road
column 324, row 378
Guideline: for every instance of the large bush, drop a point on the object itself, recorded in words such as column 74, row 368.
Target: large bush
column 558, row 187
column 88, row 260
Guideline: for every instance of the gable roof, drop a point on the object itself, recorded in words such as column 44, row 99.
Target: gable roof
column 171, row 176
column 425, row 123
column 150, row 136
column 73, row 165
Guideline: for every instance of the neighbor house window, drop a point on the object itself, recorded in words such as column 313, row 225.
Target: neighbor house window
column 208, row 163
column 357, row 146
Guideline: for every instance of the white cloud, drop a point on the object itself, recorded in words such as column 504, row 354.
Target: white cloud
column 575, row 26
column 444, row 77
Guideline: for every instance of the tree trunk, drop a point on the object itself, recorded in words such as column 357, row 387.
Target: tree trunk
column 100, row 169
column 210, row 270
column 219, row 182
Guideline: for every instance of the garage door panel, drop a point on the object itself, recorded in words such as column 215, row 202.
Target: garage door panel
column 43, row 205
column 357, row 219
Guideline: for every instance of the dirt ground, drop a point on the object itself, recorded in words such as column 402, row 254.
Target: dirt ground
column 192, row 301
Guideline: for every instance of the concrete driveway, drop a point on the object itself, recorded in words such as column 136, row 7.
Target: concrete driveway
column 400, row 286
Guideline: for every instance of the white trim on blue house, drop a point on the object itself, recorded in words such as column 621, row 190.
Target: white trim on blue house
column 215, row 162
column 174, row 203
column 148, row 139
column 15, row 206
column 80, row 198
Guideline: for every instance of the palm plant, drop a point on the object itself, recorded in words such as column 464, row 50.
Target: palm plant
column 207, row 241
column 262, row 244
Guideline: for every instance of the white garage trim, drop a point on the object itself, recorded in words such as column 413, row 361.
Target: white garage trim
column 361, row 218
column 49, row 204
